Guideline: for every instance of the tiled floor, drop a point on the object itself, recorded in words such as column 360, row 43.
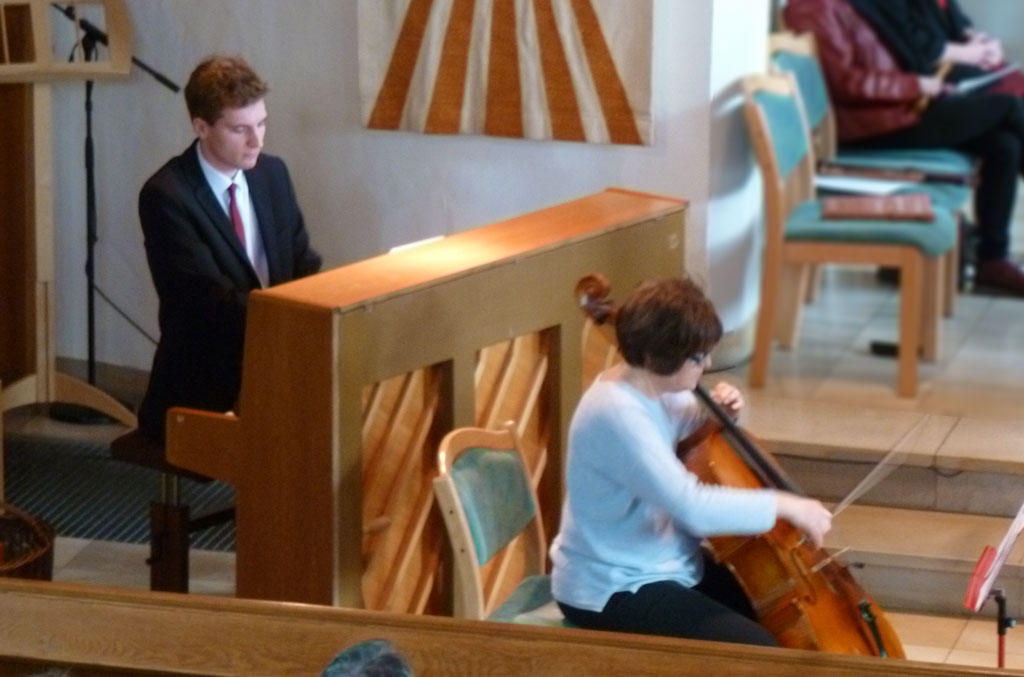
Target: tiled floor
column 980, row 374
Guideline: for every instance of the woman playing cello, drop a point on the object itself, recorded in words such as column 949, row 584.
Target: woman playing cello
column 628, row 556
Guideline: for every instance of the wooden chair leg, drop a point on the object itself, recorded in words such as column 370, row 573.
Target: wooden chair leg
column 1, row 446
column 765, row 330
column 933, row 294
column 792, row 291
column 813, row 283
column 951, row 280
column 168, row 547
column 911, row 275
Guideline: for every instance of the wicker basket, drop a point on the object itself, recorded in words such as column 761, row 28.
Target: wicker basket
column 27, row 545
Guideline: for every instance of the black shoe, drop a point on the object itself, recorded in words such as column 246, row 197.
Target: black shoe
column 1000, row 275
column 887, row 275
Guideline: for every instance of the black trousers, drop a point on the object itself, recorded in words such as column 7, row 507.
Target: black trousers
column 716, row 609
column 988, row 127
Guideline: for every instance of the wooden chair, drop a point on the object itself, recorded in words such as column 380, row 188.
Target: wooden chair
column 796, row 238
column 490, row 509
column 797, row 55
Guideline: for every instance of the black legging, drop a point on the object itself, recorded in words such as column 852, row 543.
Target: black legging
column 715, row 609
column 988, row 127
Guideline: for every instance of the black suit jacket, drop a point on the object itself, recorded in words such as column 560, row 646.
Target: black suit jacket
column 203, row 279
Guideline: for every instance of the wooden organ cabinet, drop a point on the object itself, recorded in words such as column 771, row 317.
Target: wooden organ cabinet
column 351, row 377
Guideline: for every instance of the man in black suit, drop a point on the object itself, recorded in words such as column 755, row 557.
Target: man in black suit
column 219, row 220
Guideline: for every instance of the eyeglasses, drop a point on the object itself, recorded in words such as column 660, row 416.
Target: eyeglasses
column 698, row 358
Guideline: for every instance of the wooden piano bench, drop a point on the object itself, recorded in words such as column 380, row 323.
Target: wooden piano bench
column 169, row 520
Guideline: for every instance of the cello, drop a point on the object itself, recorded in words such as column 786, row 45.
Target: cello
column 804, row 596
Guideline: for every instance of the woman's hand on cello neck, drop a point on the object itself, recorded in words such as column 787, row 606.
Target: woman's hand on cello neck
column 729, row 398
column 806, row 514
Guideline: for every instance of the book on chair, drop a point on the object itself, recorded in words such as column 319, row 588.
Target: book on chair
column 903, row 207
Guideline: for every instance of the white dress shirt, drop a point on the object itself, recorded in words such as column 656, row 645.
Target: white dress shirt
column 219, row 184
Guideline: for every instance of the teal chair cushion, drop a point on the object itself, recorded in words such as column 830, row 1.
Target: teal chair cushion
column 933, row 238
column 809, row 81
column 786, row 128
column 531, row 603
column 495, row 499
column 936, row 160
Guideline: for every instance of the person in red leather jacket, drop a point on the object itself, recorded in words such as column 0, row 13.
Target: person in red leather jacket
column 878, row 104
column 922, row 34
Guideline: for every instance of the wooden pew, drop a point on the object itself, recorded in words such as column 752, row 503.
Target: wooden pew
column 103, row 631
column 351, row 377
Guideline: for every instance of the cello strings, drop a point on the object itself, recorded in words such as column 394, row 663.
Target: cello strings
column 889, row 463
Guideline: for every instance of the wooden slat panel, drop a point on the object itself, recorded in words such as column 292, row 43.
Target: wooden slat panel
column 490, row 366
column 400, row 491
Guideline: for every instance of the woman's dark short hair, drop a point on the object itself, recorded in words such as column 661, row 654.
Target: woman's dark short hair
column 664, row 322
column 220, row 83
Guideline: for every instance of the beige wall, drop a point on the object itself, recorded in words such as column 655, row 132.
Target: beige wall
column 1002, row 18
column 365, row 191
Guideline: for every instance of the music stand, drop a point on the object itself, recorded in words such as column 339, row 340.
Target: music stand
column 979, row 588
column 30, row 65
column 91, row 37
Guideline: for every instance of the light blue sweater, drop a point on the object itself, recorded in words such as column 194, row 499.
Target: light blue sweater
column 633, row 513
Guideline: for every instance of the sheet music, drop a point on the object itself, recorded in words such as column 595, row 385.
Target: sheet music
column 971, row 84
column 859, row 185
column 989, row 576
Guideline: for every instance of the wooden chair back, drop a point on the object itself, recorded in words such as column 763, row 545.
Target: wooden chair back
column 488, row 500
column 772, row 109
column 796, row 55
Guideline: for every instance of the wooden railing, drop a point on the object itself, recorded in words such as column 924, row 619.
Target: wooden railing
column 101, row 631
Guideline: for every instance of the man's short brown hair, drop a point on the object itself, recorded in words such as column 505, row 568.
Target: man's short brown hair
column 664, row 322
column 220, row 83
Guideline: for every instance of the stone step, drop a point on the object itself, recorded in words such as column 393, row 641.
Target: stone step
column 947, row 486
column 931, row 461
column 922, row 560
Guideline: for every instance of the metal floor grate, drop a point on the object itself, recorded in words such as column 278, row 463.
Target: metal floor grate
column 82, row 492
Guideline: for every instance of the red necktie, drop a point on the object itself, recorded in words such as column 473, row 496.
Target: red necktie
column 236, row 216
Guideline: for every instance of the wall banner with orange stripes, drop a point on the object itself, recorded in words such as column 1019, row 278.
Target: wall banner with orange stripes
column 574, row 70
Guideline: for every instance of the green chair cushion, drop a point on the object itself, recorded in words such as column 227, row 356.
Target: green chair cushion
column 495, row 497
column 937, row 160
column 933, row 238
column 531, row 603
column 785, row 127
column 809, row 81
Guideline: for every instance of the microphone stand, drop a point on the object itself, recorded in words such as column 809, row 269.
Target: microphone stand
column 92, row 36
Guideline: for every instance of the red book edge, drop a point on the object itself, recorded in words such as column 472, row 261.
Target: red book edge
column 981, row 572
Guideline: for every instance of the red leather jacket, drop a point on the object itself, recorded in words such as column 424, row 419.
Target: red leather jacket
column 870, row 94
